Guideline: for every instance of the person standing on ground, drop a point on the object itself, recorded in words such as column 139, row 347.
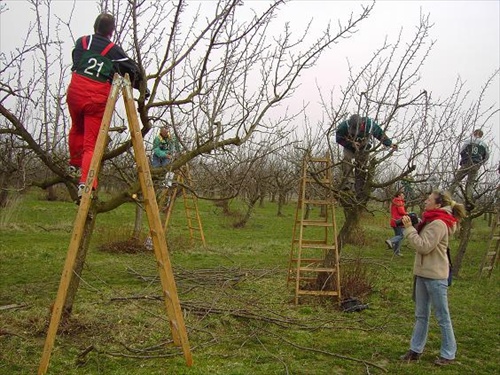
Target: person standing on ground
column 431, row 270
column 95, row 61
column 397, row 212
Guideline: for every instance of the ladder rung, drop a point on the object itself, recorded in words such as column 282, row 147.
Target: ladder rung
column 307, row 279
column 310, row 260
column 316, row 223
column 318, row 246
column 309, row 242
column 491, row 253
column 318, row 201
column 318, row 292
column 316, row 160
column 318, row 269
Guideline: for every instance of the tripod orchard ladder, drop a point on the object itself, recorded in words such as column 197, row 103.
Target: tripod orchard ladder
column 169, row 289
column 314, row 258
column 491, row 257
column 195, row 227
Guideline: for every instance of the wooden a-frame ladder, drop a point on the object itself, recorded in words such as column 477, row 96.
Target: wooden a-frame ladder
column 491, row 257
column 169, row 289
column 193, row 218
column 314, row 259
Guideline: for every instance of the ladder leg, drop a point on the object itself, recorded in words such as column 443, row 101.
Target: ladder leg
column 76, row 236
column 171, row 298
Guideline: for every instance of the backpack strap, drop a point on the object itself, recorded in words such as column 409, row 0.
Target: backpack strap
column 107, row 48
column 449, row 256
column 87, row 41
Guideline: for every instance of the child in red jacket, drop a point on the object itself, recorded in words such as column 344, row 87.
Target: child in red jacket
column 397, row 212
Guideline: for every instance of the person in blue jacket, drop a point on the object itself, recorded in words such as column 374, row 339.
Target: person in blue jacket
column 165, row 147
column 356, row 135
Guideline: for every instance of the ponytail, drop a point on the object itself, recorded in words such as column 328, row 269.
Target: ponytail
column 444, row 199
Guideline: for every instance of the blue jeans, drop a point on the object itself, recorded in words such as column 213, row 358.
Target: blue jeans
column 432, row 292
column 157, row 162
column 397, row 239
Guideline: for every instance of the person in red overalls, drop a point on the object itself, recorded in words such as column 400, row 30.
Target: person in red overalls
column 95, row 61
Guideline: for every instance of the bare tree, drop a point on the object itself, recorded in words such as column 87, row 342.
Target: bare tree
column 428, row 130
column 385, row 90
column 214, row 72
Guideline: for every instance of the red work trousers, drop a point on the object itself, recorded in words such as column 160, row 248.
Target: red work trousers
column 86, row 101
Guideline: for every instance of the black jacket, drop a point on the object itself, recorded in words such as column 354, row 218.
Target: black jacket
column 122, row 64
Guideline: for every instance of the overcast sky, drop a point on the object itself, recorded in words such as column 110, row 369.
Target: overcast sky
column 467, row 35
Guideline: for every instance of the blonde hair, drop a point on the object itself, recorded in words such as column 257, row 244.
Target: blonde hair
column 444, row 199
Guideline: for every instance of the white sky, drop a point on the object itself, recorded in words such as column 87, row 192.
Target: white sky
column 467, row 35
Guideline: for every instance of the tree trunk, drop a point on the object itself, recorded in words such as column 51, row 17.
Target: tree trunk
column 353, row 204
column 351, row 231
column 261, row 200
column 87, row 230
column 139, row 214
column 224, row 205
column 281, row 203
column 243, row 222
column 4, row 198
column 465, row 232
column 51, row 193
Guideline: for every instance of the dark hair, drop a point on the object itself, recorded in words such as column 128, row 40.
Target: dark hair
column 104, row 24
column 444, row 199
column 478, row 133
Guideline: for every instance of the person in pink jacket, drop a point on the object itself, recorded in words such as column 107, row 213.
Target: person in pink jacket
column 397, row 212
column 431, row 269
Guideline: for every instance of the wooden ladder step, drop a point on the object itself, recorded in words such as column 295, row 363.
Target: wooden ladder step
column 319, row 202
column 308, row 260
column 316, row 269
column 319, row 160
column 318, row 246
column 318, row 292
column 316, row 223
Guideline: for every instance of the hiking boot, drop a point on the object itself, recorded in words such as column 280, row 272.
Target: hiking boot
column 443, row 361
column 74, row 171
column 389, row 244
column 398, row 254
column 81, row 190
column 410, row 356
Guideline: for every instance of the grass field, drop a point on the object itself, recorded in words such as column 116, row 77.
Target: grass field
column 237, row 306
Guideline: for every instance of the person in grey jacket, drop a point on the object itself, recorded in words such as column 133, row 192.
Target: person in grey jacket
column 431, row 270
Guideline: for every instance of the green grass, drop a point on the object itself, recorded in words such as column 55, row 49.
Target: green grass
column 238, row 310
